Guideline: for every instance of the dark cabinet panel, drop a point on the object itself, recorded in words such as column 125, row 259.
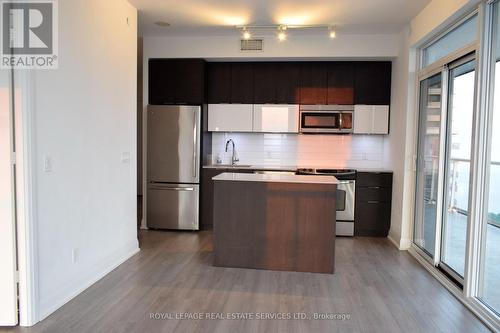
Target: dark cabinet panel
column 190, row 81
column 375, row 193
column 368, row 179
column 161, row 89
column 207, row 193
column 299, row 82
column 372, row 216
column 265, row 83
column 372, row 83
column 340, row 83
column 313, row 83
column 207, row 196
column 176, row 81
column 219, row 82
column 242, row 83
column 373, row 219
column 287, row 78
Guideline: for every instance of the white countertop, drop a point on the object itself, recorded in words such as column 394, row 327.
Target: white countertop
column 275, row 178
column 290, row 167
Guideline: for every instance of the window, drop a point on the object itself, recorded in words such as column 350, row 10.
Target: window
column 460, row 36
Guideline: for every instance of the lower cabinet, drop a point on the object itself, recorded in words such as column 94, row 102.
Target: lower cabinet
column 207, row 194
column 372, row 213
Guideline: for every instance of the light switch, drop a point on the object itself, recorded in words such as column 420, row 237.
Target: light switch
column 125, row 157
column 47, row 164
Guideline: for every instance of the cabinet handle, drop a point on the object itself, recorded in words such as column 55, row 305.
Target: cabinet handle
column 373, row 201
column 374, row 187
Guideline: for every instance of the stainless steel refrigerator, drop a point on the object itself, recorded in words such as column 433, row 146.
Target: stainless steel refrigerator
column 173, row 166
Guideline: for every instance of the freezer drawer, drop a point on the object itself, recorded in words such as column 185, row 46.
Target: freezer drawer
column 173, row 206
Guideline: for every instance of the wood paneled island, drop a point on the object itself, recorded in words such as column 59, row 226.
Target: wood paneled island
column 275, row 221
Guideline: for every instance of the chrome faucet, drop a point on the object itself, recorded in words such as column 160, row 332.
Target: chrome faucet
column 234, row 157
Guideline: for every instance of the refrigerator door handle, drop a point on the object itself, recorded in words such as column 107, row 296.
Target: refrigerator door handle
column 171, row 188
column 195, row 143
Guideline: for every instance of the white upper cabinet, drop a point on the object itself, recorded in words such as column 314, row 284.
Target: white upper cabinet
column 230, row 117
column 276, row 118
column 371, row 119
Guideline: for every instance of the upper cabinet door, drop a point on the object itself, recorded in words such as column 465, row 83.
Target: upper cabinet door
column 313, row 83
column 160, row 85
column 189, row 79
column 372, row 83
column 242, row 83
column 219, row 82
column 380, row 119
column 264, row 83
column 371, row 119
column 340, row 83
column 276, row 118
column 230, row 117
column 287, row 78
column 176, row 81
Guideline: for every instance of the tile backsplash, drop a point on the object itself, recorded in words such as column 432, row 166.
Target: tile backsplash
column 357, row 151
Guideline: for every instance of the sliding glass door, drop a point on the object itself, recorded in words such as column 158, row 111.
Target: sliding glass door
column 429, row 137
column 489, row 284
column 455, row 214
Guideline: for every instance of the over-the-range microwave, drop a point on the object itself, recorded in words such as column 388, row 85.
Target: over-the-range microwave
column 326, row 118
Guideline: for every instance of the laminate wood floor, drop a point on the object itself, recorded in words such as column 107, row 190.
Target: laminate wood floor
column 379, row 287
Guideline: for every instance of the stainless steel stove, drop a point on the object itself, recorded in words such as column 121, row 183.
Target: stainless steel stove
column 346, row 192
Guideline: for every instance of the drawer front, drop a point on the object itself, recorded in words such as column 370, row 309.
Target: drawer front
column 368, row 179
column 173, row 206
column 374, row 193
column 372, row 219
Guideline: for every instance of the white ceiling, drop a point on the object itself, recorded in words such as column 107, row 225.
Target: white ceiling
column 217, row 17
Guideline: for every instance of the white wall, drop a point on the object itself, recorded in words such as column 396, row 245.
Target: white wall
column 353, row 151
column 301, row 46
column 85, row 119
column 397, row 155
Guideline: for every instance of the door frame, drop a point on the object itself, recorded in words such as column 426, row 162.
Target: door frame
column 455, row 64
column 24, row 117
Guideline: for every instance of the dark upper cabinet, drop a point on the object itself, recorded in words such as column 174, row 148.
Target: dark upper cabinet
column 340, row 83
column 372, row 83
column 276, row 82
column 242, row 82
column 265, row 82
column 219, row 82
column 313, row 83
column 287, row 78
column 176, row 81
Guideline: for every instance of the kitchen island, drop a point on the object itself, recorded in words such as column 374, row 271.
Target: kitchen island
column 275, row 221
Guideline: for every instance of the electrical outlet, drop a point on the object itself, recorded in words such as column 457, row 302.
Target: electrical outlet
column 75, row 255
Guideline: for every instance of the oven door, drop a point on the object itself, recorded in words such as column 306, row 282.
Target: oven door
column 320, row 122
column 345, row 200
column 344, row 225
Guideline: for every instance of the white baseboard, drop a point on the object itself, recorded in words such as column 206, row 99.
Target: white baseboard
column 70, row 290
column 393, row 241
column 404, row 245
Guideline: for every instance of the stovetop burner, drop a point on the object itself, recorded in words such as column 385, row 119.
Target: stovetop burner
column 339, row 173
